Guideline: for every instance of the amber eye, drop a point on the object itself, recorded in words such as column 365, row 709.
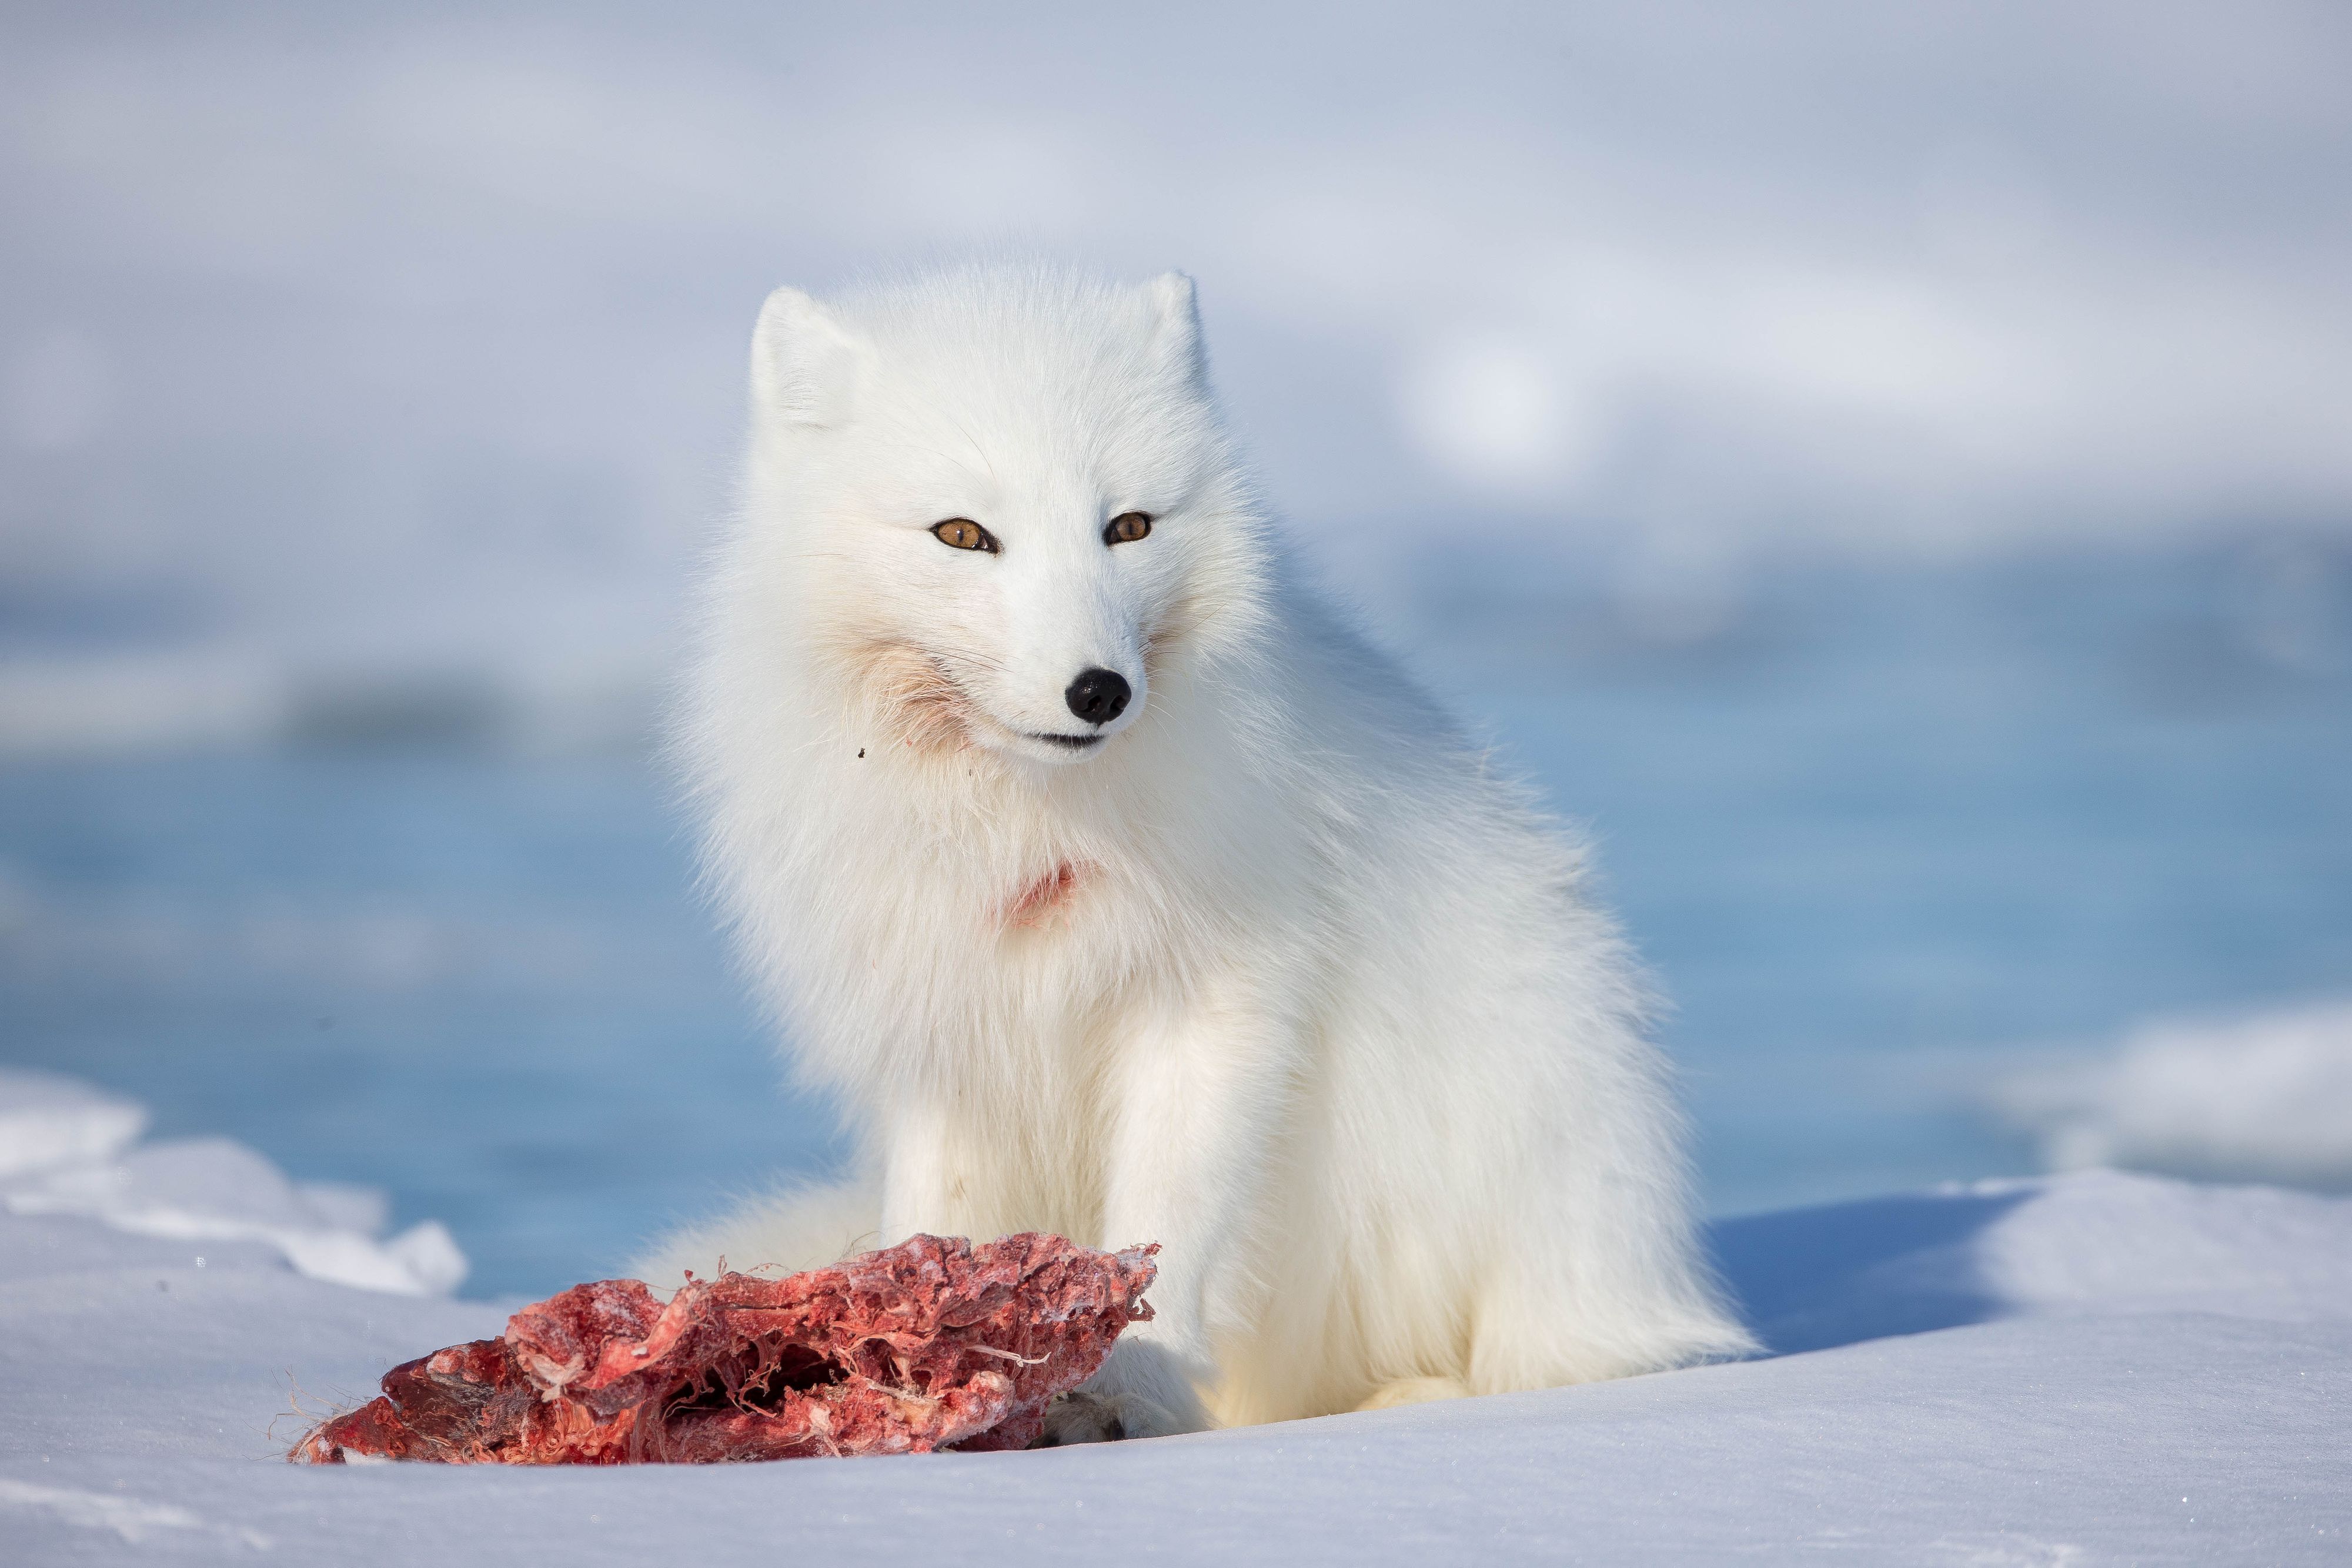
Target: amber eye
column 962, row 533
column 1126, row 529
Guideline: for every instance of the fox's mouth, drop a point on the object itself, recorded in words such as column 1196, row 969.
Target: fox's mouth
column 920, row 689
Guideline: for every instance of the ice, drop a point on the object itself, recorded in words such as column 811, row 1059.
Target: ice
column 2268, row 1097
column 2084, row 1368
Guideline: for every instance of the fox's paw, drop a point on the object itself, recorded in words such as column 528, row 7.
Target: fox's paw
column 1416, row 1391
column 1083, row 1418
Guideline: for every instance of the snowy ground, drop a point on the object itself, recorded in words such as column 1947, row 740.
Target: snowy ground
column 2090, row 1368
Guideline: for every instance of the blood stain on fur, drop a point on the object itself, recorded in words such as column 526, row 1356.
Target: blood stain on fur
column 1042, row 897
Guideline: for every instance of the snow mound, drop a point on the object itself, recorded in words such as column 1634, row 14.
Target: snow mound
column 2100, row 1242
column 64, row 1152
column 2268, row 1098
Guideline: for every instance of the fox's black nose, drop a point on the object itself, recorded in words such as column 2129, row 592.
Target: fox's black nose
column 1098, row 696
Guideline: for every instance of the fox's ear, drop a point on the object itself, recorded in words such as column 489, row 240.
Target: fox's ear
column 1175, row 315
column 805, row 365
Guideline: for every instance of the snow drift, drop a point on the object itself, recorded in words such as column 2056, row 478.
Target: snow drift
column 2268, row 1097
column 65, row 1149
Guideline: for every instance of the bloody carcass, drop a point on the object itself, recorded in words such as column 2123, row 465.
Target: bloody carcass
column 933, row 1343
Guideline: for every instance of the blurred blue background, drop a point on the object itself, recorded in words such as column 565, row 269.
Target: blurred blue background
column 1887, row 472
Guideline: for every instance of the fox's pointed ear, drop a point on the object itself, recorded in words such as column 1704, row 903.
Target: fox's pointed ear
column 805, row 364
column 1176, row 324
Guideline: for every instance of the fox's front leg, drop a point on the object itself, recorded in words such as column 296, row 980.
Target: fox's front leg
column 924, row 1173
column 1195, row 1100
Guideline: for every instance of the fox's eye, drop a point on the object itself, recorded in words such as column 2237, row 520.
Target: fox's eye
column 962, row 533
column 1126, row 527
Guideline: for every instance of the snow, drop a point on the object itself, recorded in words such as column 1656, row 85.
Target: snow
column 48, row 1121
column 2268, row 1097
column 62, row 1153
column 2084, row 1368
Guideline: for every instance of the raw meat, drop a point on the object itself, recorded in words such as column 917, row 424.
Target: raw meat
column 932, row 1344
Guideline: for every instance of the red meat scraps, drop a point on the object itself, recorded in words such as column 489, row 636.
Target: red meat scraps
column 932, row 1344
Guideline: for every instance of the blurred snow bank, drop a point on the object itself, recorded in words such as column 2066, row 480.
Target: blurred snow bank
column 66, row 1149
column 2268, row 1098
column 134, row 702
column 411, row 327
column 47, row 1122
column 177, row 700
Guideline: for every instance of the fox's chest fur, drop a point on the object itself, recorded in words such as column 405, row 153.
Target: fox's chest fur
column 971, row 928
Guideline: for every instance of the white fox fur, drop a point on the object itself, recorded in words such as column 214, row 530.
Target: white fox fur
column 1278, row 972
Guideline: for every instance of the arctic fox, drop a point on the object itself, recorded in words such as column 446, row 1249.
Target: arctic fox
column 1114, row 887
